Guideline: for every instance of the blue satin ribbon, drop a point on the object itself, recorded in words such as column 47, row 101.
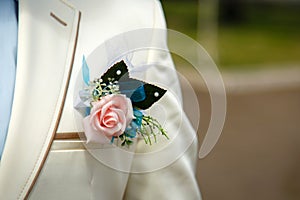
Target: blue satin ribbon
column 85, row 72
column 136, row 94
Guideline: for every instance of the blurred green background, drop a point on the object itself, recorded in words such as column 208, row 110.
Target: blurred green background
column 256, row 46
column 247, row 34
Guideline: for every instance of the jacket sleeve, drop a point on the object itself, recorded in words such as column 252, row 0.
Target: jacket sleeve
column 165, row 170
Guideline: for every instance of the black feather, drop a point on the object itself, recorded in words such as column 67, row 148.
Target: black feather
column 132, row 87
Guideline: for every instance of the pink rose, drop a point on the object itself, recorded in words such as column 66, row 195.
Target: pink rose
column 109, row 117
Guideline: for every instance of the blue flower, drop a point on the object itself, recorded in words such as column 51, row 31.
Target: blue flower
column 135, row 124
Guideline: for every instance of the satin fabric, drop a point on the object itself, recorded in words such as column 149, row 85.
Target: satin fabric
column 52, row 41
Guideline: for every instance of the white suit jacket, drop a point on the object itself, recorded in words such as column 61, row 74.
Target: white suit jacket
column 38, row 163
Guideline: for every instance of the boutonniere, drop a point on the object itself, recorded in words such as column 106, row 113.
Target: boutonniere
column 115, row 107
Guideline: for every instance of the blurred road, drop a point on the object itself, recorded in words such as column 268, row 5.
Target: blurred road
column 258, row 154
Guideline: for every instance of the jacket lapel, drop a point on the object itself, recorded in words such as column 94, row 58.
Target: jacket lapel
column 47, row 42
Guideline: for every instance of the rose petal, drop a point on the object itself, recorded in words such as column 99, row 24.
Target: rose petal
column 110, row 116
column 122, row 121
column 110, row 119
column 105, row 109
column 119, row 128
column 93, row 135
column 129, row 113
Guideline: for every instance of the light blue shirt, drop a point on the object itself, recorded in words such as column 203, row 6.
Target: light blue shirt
column 8, row 62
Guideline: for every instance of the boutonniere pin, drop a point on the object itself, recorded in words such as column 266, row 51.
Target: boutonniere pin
column 115, row 105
